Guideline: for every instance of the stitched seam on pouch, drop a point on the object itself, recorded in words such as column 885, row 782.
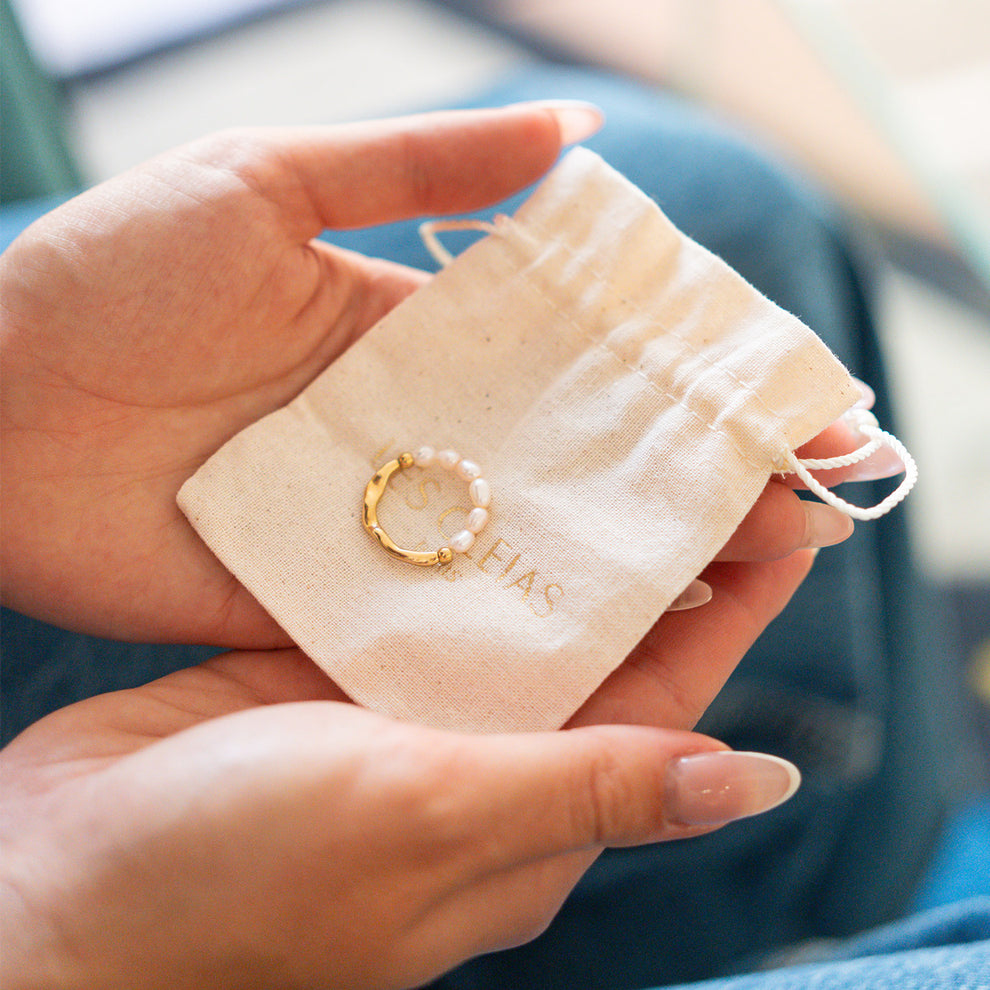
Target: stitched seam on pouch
column 655, row 386
column 603, row 281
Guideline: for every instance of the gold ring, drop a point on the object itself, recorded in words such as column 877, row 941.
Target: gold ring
column 462, row 541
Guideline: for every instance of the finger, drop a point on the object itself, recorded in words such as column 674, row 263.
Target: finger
column 683, row 662
column 547, row 794
column 360, row 174
column 867, row 397
column 780, row 523
column 842, row 438
column 274, row 677
column 121, row 721
column 711, row 787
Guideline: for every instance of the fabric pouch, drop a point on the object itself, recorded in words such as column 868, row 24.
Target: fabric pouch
column 626, row 395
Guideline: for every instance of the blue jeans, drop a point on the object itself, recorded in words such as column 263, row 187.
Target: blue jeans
column 945, row 948
column 853, row 683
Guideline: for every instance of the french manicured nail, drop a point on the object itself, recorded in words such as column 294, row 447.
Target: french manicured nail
column 825, row 526
column 883, row 464
column 576, row 119
column 713, row 788
column 695, row 594
column 867, row 395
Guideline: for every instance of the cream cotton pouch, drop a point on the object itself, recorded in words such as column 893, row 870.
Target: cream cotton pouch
column 587, row 403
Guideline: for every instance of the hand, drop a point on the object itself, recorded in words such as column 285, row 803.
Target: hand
column 152, row 318
column 236, row 824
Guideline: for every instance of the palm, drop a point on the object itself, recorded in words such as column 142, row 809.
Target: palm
column 177, row 321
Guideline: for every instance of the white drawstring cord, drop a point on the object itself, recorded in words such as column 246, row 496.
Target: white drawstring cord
column 864, row 421
column 428, row 232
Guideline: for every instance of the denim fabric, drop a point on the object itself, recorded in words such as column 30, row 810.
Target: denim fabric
column 960, row 868
column 944, row 949
column 854, row 682
column 964, row 922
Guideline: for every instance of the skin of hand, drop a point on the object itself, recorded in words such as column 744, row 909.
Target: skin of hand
column 150, row 319
column 238, row 823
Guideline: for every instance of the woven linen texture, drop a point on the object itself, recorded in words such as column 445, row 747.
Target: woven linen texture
column 626, row 394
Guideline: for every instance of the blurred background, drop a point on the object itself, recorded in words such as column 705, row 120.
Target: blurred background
column 887, row 102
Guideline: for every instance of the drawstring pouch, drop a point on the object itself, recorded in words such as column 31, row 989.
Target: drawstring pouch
column 473, row 515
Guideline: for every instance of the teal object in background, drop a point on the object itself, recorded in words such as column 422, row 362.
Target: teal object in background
column 35, row 155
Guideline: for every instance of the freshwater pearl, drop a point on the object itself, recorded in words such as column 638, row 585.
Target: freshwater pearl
column 424, row 457
column 481, row 493
column 461, row 541
column 477, row 520
column 478, row 489
column 468, row 470
column 448, row 459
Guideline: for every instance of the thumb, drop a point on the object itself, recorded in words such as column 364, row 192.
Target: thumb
column 618, row 786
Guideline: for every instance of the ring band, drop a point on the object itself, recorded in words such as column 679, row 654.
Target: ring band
column 462, row 541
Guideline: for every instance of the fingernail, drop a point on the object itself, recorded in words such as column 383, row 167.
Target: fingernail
column 824, row 525
column 883, row 464
column 712, row 788
column 867, row 395
column 695, row 594
column 576, row 119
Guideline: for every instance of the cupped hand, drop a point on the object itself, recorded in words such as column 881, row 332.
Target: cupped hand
column 238, row 824
column 152, row 318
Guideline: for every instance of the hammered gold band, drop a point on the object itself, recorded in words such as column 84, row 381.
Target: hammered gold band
column 461, row 541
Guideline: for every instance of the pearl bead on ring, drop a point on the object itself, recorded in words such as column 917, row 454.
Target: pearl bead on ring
column 462, row 541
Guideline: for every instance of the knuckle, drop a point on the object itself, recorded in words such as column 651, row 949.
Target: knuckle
column 244, row 153
column 605, row 811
